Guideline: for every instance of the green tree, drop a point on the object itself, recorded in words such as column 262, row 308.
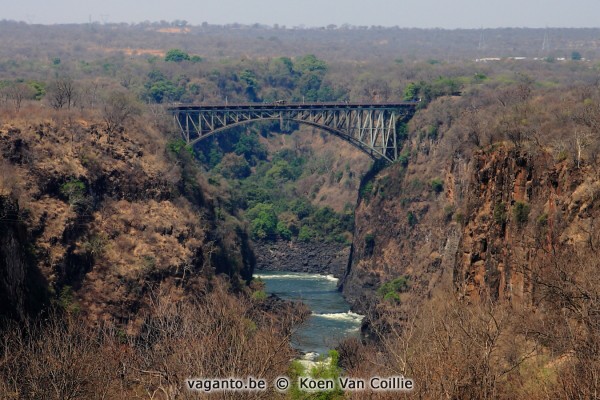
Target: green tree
column 411, row 92
column 159, row 89
column 281, row 73
column 250, row 147
column 310, row 63
column 283, row 231
column 233, row 166
column 176, row 55
column 263, row 221
column 251, row 81
column 437, row 185
column 306, row 234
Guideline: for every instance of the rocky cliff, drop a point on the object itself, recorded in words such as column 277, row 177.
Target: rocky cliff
column 23, row 289
column 321, row 258
column 102, row 221
column 472, row 221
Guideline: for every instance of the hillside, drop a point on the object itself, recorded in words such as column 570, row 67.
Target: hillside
column 127, row 256
column 110, row 215
column 479, row 249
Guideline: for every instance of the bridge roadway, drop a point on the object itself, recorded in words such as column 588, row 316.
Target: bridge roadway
column 371, row 127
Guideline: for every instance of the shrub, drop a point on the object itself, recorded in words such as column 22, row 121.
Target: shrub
column 449, row 212
column 411, row 218
column 521, row 212
column 176, row 146
column 432, row 132
column 74, row 191
column 390, row 291
column 500, row 213
column 306, row 234
column 259, row 295
column 283, row 231
column 403, row 158
column 437, row 185
column 459, row 217
column 67, row 300
column 542, row 220
column 95, row 245
column 366, row 190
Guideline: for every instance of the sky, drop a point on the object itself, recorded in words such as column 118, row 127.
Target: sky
column 449, row 14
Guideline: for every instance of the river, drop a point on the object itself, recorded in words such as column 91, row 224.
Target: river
column 331, row 319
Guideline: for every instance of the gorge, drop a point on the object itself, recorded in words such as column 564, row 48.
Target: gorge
column 131, row 260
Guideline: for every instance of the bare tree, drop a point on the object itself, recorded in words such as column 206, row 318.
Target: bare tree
column 17, row 92
column 62, row 93
column 118, row 108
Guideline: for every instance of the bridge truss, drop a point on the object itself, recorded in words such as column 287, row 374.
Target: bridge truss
column 370, row 127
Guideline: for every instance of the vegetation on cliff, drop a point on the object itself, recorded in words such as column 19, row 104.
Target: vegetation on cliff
column 474, row 256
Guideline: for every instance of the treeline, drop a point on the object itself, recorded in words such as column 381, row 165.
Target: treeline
column 341, row 43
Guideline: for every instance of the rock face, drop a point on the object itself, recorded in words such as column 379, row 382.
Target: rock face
column 313, row 257
column 497, row 214
column 22, row 287
column 107, row 220
column 401, row 230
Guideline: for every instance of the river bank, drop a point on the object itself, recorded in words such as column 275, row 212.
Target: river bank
column 310, row 257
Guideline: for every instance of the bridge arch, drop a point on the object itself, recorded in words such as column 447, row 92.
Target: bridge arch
column 370, row 152
column 369, row 127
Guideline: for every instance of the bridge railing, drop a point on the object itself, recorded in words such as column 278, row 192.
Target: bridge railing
column 291, row 105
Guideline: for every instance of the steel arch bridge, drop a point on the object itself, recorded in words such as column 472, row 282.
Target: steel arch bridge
column 371, row 127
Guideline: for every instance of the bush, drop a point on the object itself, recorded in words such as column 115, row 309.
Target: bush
column 283, row 231
column 432, row 132
column 403, row 158
column 366, row 190
column 259, row 295
column 390, row 291
column 67, row 300
column 500, row 213
column 411, row 218
column 437, row 185
column 73, row 191
column 326, row 368
column 96, row 244
column 175, row 146
column 306, row 234
column 542, row 220
column 521, row 212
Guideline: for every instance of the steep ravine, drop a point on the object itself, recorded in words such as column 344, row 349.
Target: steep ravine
column 477, row 236
column 98, row 222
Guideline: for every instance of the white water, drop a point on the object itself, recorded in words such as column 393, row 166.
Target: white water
column 346, row 316
column 330, row 320
column 297, row 276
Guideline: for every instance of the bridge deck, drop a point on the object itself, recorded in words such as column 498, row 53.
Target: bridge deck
column 293, row 106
